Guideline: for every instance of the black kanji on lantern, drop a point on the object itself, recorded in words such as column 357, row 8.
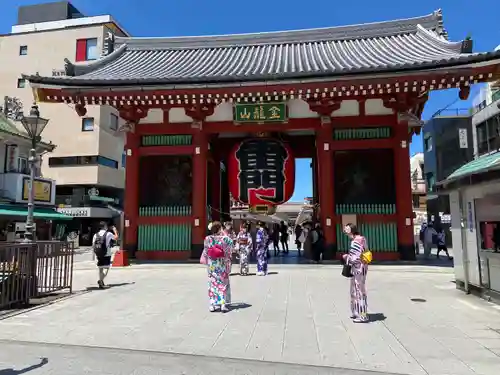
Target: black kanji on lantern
column 262, row 166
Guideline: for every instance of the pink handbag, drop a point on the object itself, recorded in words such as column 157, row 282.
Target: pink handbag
column 203, row 259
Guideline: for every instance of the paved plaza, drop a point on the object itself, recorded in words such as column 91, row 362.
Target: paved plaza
column 154, row 319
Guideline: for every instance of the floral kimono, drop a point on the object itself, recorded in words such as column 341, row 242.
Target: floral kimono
column 359, row 306
column 219, row 289
column 244, row 245
column 262, row 240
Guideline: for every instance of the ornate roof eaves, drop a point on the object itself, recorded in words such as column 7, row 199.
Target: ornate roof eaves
column 432, row 21
column 81, row 68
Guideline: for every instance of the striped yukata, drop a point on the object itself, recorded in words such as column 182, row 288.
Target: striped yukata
column 359, row 305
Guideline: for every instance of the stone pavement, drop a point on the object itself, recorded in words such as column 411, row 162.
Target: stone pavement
column 297, row 315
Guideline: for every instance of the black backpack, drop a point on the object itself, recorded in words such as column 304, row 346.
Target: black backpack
column 100, row 248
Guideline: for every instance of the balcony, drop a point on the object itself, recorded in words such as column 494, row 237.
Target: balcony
column 15, row 187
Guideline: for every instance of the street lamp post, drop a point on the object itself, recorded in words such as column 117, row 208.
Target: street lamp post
column 34, row 125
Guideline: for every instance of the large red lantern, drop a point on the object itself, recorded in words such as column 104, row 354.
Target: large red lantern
column 261, row 172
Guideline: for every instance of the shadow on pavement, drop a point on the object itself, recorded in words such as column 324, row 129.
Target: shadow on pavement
column 108, row 286
column 376, row 317
column 10, row 371
column 237, row 306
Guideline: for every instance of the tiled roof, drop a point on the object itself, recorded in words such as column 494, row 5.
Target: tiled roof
column 479, row 165
column 408, row 44
column 8, row 127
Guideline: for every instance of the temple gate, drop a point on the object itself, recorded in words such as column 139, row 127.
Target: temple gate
column 349, row 97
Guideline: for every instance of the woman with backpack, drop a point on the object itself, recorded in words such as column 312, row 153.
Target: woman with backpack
column 217, row 251
column 359, row 269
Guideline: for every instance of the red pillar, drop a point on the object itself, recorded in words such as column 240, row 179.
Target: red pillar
column 131, row 200
column 324, row 138
column 404, row 209
column 199, row 173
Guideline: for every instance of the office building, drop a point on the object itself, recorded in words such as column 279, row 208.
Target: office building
column 448, row 145
column 88, row 162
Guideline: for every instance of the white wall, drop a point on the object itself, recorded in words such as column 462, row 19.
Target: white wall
column 472, row 235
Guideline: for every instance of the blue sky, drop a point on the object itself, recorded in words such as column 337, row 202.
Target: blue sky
column 197, row 17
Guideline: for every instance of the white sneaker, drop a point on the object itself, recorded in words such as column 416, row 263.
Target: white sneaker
column 260, row 274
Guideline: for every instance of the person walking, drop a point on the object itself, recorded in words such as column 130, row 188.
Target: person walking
column 262, row 241
column 283, row 229
column 429, row 237
column 275, row 239
column 359, row 270
column 441, row 243
column 317, row 243
column 217, row 251
column 298, row 232
column 244, row 247
column 102, row 243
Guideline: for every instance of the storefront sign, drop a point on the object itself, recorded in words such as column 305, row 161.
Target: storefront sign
column 462, row 138
column 261, row 172
column 43, row 190
column 75, row 211
column 94, row 196
column 260, row 113
column 12, row 158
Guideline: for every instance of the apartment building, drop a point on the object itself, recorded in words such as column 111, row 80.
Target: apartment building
column 88, row 162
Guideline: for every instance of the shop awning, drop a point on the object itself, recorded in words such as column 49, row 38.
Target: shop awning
column 40, row 212
column 480, row 165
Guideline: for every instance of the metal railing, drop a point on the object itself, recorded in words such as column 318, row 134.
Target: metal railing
column 54, row 267
column 34, row 270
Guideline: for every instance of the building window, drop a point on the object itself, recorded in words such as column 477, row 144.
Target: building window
column 22, row 165
column 87, row 124
column 86, row 49
column 428, row 143
column 113, row 125
column 23, row 50
column 21, row 83
column 107, row 162
column 72, row 161
column 431, row 182
column 124, row 158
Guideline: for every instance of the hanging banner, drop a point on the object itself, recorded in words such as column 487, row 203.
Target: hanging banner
column 261, row 173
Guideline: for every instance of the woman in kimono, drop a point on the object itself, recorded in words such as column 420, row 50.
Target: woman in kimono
column 244, row 247
column 359, row 270
column 262, row 242
column 219, row 289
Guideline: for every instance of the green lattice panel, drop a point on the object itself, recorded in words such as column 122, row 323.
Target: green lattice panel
column 165, row 211
column 381, row 237
column 167, row 140
column 361, row 133
column 164, row 237
column 365, row 209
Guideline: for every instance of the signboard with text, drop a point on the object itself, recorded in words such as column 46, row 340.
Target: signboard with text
column 75, row 211
column 260, row 113
column 43, row 190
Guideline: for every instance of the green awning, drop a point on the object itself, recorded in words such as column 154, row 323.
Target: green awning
column 479, row 165
column 40, row 212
